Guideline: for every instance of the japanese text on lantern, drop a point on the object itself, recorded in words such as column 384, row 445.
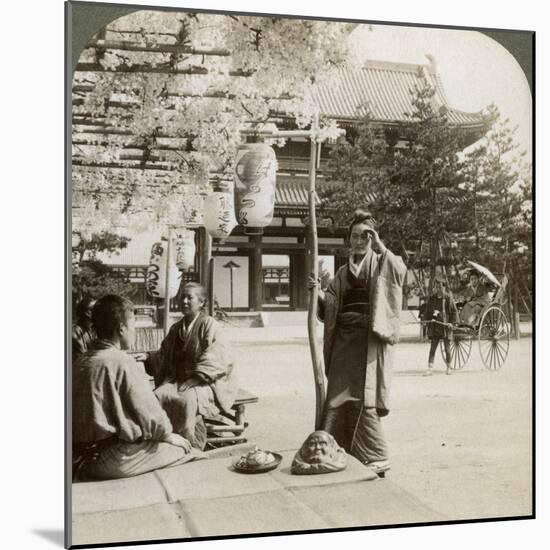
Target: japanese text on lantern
column 156, row 273
column 255, row 178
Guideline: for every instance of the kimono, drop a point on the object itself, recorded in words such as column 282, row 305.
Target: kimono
column 476, row 299
column 81, row 340
column 472, row 293
column 361, row 313
column 442, row 309
column 118, row 424
column 198, row 352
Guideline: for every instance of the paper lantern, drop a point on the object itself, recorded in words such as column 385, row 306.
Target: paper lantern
column 185, row 251
column 155, row 280
column 219, row 214
column 255, row 179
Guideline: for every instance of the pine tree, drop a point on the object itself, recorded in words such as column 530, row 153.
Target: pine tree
column 92, row 277
column 415, row 177
column 499, row 184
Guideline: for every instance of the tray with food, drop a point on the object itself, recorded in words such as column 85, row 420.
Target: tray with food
column 257, row 461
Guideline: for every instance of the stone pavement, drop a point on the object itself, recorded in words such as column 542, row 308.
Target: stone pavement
column 208, row 498
column 459, row 444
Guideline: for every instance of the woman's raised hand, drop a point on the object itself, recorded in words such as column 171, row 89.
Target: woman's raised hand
column 377, row 243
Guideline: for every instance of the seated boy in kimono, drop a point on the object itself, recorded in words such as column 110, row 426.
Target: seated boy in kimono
column 119, row 427
column 195, row 368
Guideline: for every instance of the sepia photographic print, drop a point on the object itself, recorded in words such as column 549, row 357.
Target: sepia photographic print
column 300, row 274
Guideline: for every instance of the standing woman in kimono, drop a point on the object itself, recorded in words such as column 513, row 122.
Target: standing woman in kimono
column 360, row 310
column 196, row 362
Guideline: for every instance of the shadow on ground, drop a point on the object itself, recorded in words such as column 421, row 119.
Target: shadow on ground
column 52, row 535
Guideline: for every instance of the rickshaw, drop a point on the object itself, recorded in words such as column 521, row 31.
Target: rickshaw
column 491, row 329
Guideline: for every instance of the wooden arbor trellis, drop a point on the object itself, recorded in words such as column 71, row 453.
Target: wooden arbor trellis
column 163, row 105
column 125, row 123
column 107, row 134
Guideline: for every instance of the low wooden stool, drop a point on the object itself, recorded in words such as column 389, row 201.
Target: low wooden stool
column 227, row 428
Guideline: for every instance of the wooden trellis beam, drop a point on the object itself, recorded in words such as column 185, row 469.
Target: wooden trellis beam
column 82, row 88
column 118, row 165
column 118, row 132
column 209, row 95
column 79, row 120
column 149, row 69
column 90, row 87
column 129, row 46
column 129, row 146
column 163, row 68
column 119, row 188
column 77, row 102
column 139, row 158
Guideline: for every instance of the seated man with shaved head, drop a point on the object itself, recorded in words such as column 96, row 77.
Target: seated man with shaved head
column 119, row 427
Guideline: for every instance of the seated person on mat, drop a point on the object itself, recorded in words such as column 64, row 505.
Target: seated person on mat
column 195, row 363
column 476, row 297
column 119, row 427
column 83, row 333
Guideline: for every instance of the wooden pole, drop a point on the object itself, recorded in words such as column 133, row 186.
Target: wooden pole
column 167, row 283
column 526, row 304
column 231, row 286
column 207, row 268
column 510, row 305
column 517, row 327
column 211, row 286
column 128, row 46
column 316, row 357
column 206, row 253
column 209, row 273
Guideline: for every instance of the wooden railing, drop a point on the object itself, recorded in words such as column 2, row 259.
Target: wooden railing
column 297, row 164
column 148, row 339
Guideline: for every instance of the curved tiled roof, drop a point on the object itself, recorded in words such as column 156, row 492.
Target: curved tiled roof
column 382, row 89
column 292, row 191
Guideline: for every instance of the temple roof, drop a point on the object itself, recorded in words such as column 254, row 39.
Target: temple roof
column 291, row 195
column 292, row 192
column 383, row 90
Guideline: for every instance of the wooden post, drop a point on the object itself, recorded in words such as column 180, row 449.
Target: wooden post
column 257, row 274
column 526, row 303
column 206, row 254
column 231, row 265
column 167, row 283
column 516, row 311
column 510, row 307
column 207, row 269
column 210, row 286
column 316, row 357
column 231, row 287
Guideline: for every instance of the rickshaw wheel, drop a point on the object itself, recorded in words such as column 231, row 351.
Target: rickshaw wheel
column 460, row 343
column 494, row 337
